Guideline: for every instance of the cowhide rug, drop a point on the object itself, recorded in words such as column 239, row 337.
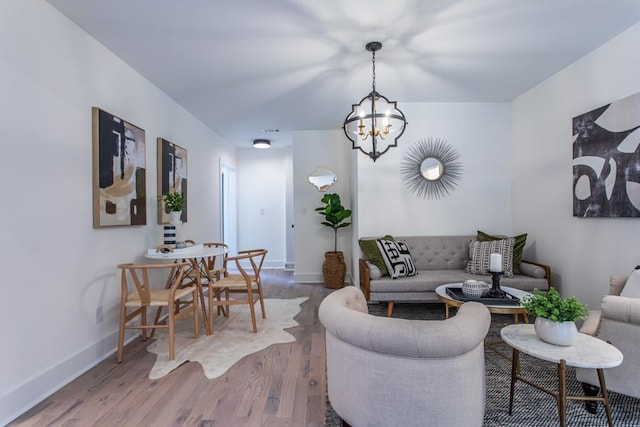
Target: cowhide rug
column 232, row 338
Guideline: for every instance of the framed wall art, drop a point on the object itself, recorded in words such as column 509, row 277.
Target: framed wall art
column 172, row 176
column 119, row 168
column 606, row 160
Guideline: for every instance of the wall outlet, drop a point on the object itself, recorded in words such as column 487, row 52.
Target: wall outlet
column 99, row 314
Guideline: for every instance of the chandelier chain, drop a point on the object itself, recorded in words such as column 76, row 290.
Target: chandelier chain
column 373, row 67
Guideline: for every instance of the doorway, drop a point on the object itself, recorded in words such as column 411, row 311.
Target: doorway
column 228, row 207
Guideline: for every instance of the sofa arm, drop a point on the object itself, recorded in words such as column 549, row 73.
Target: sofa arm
column 530, row 268
column 616, row 283
column 592, row 323
column 365, row 279
column 622, row 309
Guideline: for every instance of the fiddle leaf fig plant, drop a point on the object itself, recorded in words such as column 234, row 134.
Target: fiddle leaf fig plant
column 552, row 306
column 334, row 215
column 174, row 201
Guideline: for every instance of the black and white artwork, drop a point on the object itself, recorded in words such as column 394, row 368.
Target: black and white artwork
column 606, row 160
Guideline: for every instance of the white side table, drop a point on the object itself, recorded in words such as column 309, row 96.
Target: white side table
column 586, row 352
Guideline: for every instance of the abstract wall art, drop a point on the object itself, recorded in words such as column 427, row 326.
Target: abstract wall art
column 172, row 176
column 606, row 160
column 119, row 167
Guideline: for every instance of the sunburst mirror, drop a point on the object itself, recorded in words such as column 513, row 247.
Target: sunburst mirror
column 431, row 169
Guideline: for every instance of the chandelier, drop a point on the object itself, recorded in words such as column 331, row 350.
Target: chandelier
column 375, row 124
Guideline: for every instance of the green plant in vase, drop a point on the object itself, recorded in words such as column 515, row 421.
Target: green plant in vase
column 174, row 201
column 555, row 315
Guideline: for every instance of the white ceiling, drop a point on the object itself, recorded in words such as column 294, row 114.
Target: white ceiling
column 243, row 66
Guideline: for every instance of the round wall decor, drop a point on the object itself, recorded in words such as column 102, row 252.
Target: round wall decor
column 431, row 169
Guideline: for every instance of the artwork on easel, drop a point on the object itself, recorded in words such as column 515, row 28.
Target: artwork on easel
column 119, row 167
column 606, row 160
column 172, row 176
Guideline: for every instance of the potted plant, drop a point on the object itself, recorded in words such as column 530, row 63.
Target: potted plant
column 334, row 269
column 555, row 316
column 174, row 202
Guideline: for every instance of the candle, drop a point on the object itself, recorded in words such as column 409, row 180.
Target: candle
column 495, row 263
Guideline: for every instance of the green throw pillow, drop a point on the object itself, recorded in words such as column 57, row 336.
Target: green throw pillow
column 517, row 247
column 371, row 252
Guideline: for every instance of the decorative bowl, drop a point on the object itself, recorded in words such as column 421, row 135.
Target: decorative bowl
column 475, row 288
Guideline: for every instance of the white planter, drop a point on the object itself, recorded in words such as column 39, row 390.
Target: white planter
column 175, row 217
column 558, row 333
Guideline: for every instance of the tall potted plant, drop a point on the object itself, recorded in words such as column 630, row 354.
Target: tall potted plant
column 334, row 268
column 555, row 316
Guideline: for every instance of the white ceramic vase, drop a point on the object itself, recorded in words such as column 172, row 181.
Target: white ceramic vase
column 558, row 333
column 175, row 217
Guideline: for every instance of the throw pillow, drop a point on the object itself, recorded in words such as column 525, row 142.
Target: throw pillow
column 397, row 258
column 371, row 253
column 632, row 287
column 518, row 247
column 480, row 255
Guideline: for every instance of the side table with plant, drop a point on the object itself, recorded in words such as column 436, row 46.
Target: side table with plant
column 555, row 316
column 334, row 268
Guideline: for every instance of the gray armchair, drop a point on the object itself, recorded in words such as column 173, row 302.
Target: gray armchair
column 385, row 371
column 617, row 322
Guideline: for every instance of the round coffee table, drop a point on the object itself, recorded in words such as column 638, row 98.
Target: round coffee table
column 516, row 310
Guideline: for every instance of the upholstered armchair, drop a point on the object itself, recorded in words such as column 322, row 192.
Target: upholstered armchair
column 385, row 371
column 617, row 322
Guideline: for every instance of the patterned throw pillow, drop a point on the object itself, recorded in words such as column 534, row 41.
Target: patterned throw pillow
column 397, row 258
column 480, row 255
column 518, row 247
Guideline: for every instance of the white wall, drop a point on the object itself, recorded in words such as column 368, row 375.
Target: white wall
column 262, row 201
column 479, row 133
column 312, row 239
column 57, row 270
column 582, row 252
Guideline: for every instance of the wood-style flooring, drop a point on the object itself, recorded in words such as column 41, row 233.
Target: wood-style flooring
column 283, row 385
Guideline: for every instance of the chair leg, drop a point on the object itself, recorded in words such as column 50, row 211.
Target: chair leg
column 591, row 391
column 195, row 314
column 143, row 320
column 252, row 310
column 264, row 315
column 120, row 352
column 171, row 336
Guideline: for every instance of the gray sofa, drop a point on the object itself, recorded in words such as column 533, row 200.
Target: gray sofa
column 398, row 372
column 440, row 260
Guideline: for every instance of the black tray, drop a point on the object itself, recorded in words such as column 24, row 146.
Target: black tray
column 509, row 300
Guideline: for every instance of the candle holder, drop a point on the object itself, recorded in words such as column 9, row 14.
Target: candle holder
column 495, row 291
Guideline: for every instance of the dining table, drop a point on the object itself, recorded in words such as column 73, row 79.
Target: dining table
column 198, row 255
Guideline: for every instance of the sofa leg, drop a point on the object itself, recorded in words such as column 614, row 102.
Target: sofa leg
column 390, row 309
column 590, row 390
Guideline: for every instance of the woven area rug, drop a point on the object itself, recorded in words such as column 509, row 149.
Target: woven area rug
column 232, row 338
column 531, row 407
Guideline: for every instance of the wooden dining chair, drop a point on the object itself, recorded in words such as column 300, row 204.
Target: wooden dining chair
column 217, row 264
column 138, row 294
column 256, row 260
column 246, row 283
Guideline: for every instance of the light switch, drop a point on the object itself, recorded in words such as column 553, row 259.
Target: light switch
column 261, row 211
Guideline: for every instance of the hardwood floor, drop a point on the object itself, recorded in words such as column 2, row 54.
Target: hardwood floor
column 284, row 385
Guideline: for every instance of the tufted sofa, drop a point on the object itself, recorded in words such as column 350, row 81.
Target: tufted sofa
column 398, row 372
column 440, row 260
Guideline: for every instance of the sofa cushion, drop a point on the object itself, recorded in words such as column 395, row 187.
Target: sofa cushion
column 632, row 287
column 371, row 252
column 480, row 252
column 518, row 247
column 397, row 258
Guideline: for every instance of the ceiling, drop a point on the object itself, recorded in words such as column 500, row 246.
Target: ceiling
column 246, row 66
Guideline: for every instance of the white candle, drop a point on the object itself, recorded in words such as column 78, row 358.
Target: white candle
column 495, row 263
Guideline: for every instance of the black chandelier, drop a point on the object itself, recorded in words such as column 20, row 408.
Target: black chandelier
column 375, row 124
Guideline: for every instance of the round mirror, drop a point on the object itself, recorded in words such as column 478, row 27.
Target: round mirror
column 431, row 169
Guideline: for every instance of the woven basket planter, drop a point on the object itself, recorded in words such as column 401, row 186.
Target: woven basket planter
column 334, row 270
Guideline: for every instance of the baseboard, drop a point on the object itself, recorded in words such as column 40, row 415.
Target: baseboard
column 43, row 384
